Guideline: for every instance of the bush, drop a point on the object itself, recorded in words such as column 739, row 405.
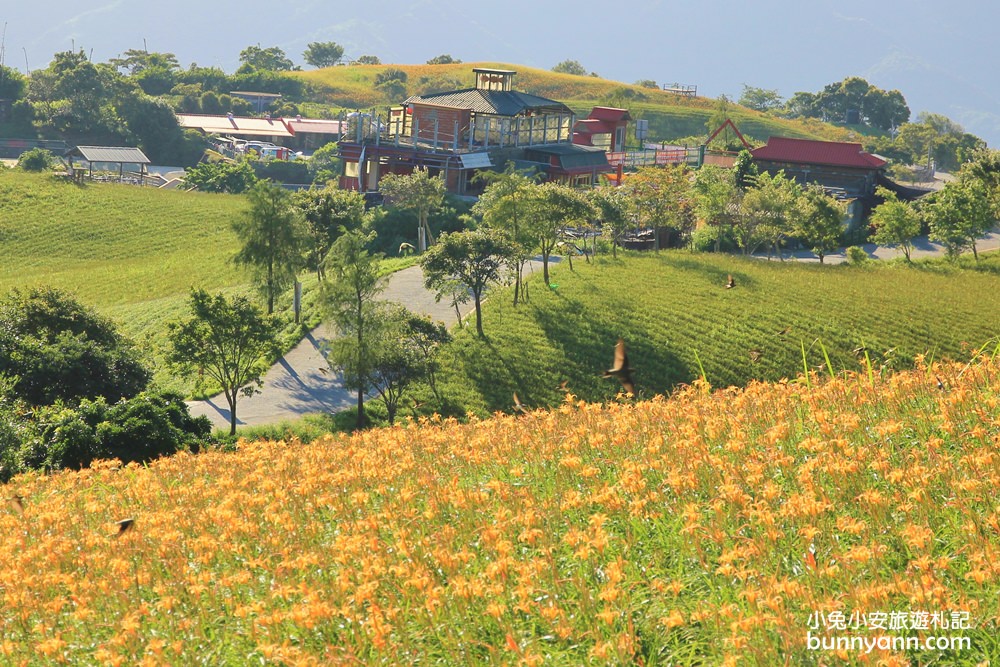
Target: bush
column 231, row 177
column 703, row 239
column 856, row 255
column 59, row 436
column 283, row 171
column 55, row 349
column 36, row 159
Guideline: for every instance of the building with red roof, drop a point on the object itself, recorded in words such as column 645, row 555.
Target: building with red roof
column 460, row 133
column 841, row 167
column 604, row 127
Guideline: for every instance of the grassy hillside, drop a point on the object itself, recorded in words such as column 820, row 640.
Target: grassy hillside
column 702, row 529
column 133, row 253
column 670, row 116
column 673, row 306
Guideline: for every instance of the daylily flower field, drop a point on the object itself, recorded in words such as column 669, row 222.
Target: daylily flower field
column 734, row 526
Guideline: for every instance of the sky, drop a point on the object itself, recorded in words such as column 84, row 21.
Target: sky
column 940, row 56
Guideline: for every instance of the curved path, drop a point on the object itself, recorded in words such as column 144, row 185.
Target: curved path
column 301, row 382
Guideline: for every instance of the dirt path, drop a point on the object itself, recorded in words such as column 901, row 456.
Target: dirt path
column 301, row 382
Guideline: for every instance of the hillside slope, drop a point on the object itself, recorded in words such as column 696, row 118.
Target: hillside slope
column 704, row 528
column 133, row 253
column 671, row 116
column 676, row 317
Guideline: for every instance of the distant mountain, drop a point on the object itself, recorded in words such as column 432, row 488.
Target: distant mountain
column 941, row 57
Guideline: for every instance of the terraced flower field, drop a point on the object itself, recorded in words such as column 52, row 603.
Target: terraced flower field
column 705, row 528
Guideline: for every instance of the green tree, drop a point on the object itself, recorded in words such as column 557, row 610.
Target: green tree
column 222, row 176
column 958, row 214
column 443, row 60
column 767, row 212
column 349, row 298
column 324, row 165
column 73, row 95
column 550, row 208
column 151, row 123
column 134, row 61
column 329, row 212
column 896, row 222
column 52, row 348
column 503, row 206
column 323, row 54
column 271, row 59
column 717, row 199
column 36, row 159
column 662, row 197
column 274, row 238
column 12, row 84
column 801, row 105
column 368, row 60
column 228, row 341
column 760, row 99
column 819, row 220
column 612, row 213
column 156, row 73
column 570, row 67
column 405, row 347
column 392, row 82
column 885, row 109
column 417, row 192
column 474, row 258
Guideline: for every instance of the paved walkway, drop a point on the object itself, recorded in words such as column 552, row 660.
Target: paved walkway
column 301, row 382
column 922, row 249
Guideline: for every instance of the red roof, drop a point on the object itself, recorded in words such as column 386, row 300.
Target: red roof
column 609, row 114
column 808, row 151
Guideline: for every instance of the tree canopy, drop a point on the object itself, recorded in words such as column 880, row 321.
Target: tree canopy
column 274, row 238
column 272, row 59
column 323, row 54
column 227, row 340
column 56, row 349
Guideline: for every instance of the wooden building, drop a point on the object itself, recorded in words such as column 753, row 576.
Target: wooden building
column 459, row 133
column 838, row 166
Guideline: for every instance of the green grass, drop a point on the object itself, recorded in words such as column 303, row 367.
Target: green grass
column 673, row 311
column 132, row 253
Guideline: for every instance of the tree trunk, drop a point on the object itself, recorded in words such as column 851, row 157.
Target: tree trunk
column 545, row 268
column 232, row 411
column 361, row 384
column 479, row 316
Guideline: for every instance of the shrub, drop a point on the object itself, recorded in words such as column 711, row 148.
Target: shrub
column 856, row 255
column 36, row 159
column 56, row 349
column 60, row 436
column 283, row 171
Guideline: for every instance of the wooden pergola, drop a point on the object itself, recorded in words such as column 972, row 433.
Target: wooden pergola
column 121, row 156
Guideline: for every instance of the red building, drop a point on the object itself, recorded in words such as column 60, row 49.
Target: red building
column 838, row 166
column 605, row 128
column 459, row 133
